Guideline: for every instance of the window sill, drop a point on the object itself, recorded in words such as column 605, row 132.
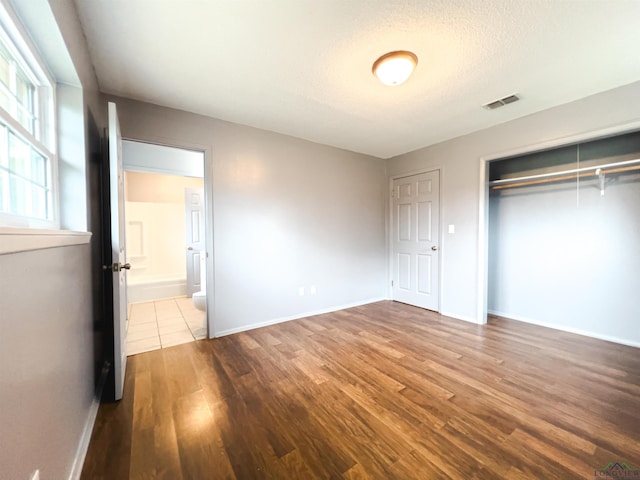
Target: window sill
column 14, row 240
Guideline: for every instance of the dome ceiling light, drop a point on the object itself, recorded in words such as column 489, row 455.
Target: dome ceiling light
column 394, row 68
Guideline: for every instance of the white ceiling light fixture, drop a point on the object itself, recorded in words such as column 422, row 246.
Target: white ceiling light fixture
column 394, row 68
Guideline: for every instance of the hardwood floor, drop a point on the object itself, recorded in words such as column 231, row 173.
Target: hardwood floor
column 380, row 391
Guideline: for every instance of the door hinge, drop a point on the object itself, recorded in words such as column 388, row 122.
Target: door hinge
column 392, row 283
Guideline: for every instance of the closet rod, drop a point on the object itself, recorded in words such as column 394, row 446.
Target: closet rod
column 565, row 175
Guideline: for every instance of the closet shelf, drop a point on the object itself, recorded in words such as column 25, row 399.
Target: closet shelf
column 599, row 172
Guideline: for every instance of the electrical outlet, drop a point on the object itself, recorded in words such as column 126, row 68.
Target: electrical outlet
column 452, row 229
column 301, row 291
column 312, row 290
column 35, row 475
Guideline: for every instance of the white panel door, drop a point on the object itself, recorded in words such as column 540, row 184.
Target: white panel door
column 116, row 193
column 416, row 233
column 194, row 232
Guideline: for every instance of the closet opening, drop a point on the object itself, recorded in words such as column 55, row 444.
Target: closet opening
column 563, row 232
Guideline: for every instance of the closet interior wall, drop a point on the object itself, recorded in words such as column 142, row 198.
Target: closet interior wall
column 565, row 253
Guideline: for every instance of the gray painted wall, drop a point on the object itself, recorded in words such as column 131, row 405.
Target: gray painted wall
column 46, row 319
column 46, row 364
column 461, row 159
column 287, row 213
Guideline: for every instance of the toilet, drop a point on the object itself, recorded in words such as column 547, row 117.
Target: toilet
column 199, row 299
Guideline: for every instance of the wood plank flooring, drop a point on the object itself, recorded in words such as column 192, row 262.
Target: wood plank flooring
column 380, row 391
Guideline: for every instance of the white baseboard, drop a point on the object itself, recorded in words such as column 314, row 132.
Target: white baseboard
column 231, row 331
column 461, row 317
column 85, row 438
column 156, row 290
column 563, row 328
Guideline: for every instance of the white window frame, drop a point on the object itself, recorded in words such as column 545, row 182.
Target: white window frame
column 17, row 42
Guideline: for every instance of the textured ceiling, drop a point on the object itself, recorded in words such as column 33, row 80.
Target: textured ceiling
column 303, row 67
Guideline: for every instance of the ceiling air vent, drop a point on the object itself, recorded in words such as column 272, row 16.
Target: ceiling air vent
column 502, row 102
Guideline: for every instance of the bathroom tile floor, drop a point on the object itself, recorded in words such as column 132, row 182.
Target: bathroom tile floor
column 164, row 323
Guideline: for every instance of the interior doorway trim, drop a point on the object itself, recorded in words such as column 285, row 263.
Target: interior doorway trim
column 208, row 224
column 482, row 293
column 389, row 228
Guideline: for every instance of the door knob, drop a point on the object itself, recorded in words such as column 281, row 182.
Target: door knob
column 434, row 248
column 116, row 267
column 190, row 248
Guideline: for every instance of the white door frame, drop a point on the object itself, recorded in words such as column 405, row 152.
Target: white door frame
column 482, row 294
column 389, row 226
column 208, row 220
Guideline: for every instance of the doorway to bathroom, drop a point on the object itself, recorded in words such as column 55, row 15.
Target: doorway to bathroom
column 165, row 245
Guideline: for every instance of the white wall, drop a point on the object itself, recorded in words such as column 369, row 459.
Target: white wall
column 287, row 213
column 147, row 157
column 72, row 174
column 155, row 234
column 156, row 251
column 462, row 159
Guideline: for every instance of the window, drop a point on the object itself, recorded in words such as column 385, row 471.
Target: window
column 28, row 167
